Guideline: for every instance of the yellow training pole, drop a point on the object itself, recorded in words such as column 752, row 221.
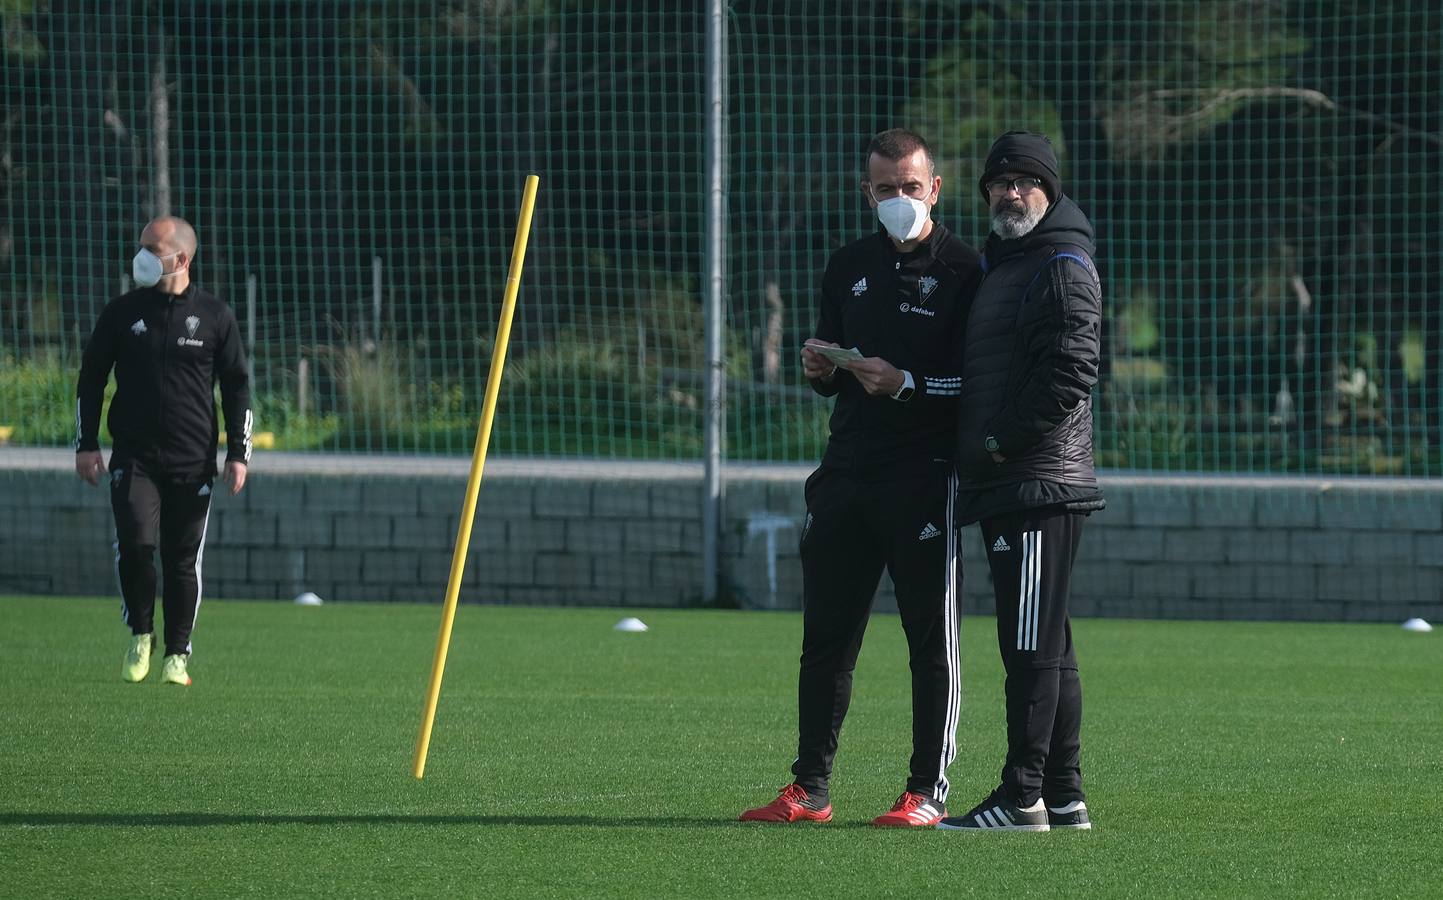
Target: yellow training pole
column 478, row 463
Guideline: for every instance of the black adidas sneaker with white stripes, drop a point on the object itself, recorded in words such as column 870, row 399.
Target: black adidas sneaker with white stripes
column 1072, row 816
column 997, row 813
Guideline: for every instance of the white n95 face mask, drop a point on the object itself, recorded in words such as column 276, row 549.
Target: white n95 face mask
column 903, row 217
column 147, row 268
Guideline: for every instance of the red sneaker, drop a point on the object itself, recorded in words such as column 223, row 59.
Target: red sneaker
column 791, row 806
column 911, row 811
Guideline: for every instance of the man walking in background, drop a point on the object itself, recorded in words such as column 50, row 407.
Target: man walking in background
column 169, row 342
column 1025, row 471
column 881, row 499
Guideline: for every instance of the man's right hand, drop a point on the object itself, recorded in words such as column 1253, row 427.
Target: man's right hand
column 89, row 466
column 814, row 365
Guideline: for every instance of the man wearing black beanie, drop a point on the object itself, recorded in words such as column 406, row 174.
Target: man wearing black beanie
column 1025, row 471
column 1022, row 153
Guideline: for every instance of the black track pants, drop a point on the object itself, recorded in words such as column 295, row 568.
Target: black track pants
column 854, row 531
column 1031, row 555
column 153, row 510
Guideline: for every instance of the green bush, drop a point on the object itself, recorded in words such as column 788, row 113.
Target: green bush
column 586, row 394
column 37, row 398
column 376, row 393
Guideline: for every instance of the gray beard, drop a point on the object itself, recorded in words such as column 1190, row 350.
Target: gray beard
column 1012, row 225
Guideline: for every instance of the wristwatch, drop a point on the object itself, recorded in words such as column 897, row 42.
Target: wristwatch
column 991, row 444
column 908, row 388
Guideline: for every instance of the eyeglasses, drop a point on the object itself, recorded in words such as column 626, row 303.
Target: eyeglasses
column 1020, row 185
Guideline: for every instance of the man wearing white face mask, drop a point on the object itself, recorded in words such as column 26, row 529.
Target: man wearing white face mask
column 169, row 343
column 881, row 498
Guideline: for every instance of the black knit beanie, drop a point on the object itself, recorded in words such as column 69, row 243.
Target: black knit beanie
column 1027, row 153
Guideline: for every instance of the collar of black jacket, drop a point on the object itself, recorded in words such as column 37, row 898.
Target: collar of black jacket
column 929, row 245
column 1064, row 223
column 157, row 294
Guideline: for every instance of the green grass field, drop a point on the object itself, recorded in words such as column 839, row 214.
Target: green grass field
column 570, row 760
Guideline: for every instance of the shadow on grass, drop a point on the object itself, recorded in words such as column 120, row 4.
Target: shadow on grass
column 191, row 819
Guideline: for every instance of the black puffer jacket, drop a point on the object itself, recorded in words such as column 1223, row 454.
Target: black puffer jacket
column 1031, row 359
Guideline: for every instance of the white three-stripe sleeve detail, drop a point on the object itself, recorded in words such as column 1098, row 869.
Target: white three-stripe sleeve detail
column 943, row 386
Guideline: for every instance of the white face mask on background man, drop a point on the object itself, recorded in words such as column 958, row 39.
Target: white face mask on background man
column 147, row 268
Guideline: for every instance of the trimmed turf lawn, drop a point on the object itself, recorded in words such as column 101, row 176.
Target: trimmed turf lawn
column 570, row 760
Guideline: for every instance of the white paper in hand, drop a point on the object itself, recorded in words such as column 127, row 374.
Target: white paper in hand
column 838, row 356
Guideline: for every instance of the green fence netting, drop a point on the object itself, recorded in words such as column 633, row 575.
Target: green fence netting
column 1263, row 176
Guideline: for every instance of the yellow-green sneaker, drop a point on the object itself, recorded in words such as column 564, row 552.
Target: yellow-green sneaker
column 173, row 670
column 137, row 658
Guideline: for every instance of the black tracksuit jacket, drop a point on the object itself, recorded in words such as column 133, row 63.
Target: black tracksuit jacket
column 909, row 309
column 168, row 352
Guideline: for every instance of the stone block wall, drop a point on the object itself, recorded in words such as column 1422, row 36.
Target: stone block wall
column 629, row 534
